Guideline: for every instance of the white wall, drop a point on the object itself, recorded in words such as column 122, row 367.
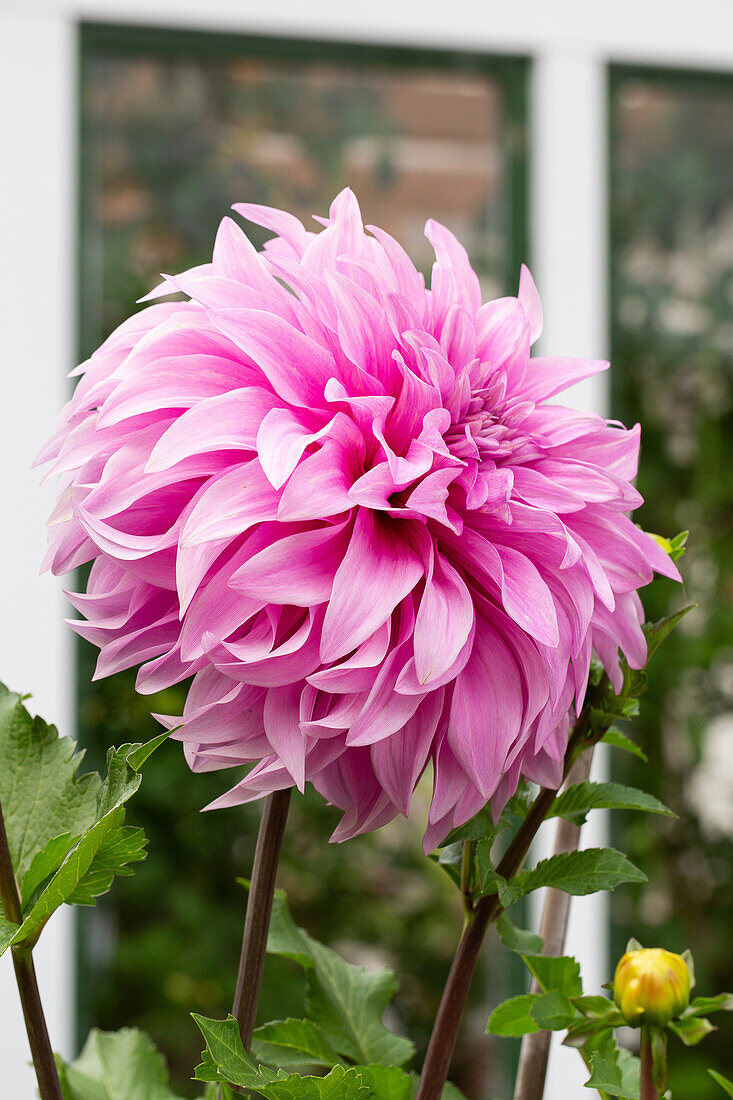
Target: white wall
column 36, row 275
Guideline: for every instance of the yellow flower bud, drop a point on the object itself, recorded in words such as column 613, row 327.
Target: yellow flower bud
column 651, row 986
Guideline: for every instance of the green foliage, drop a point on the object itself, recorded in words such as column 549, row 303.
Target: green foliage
column 346, row 1002
column 66, row 833
column 577, row 873
column 619, row 740
column 516, row 939
column 514, row 1017
column 576, row 801
column 225, row 1060
column 615, row 1074
column 122, row 1065
column 724, row 1083
column 556, row 973
column 293, row 1043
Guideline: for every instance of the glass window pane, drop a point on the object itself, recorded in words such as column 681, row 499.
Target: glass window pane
column 176, row 128
column 672, row 318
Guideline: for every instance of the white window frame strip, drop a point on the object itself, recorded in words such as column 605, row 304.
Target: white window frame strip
column 570, row 43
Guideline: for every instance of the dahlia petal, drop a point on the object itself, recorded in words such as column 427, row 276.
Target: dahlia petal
column 444, row 621
column 281, row 717
column 378, row 571
column 275, row 346
column 530, row 301
column 297, row 570
column 228, row 421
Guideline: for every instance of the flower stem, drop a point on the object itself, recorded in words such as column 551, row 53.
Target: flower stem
column 485, row 912
column 259, row 909
column 535, row 1050
column 648, row 1090
column 25, row 975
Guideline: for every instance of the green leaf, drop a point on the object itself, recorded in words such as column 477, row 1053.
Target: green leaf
column 227, row 1058
column 7, row 932
column 292, row 1043
column 553, row 1012
column 691, row 1029
column 576, row 802
column 595, row 1008
column 700, row 1006
column 480, row 827
column 617, row 1078
column 70, row 849
column 516, row 939
column 556, row 973
column 619, row 740
column 724, row 1083
column 121, row 1065
column 576, row 873
column 657, row 632
column 513, row 1018
column 80, row 872
column 339, row 1084
column 347, row 1002
column 385, row 1082
column 42, row 796
column 120, row 847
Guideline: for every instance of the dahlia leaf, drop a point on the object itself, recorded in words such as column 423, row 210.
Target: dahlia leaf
column 66, row 833
column 346, row 1002
column 120, row 1065
column 293, row 1043
column 576, row 802
column 577, row 873
column 725, row 1084
column 519, row 940
column 619, row 740
column 385, row 1082
column 513, row 1018
column 41, row 794
column 617, row 1078
column 225, row 1056
column 553, row 1012
column 7, row 932
column 225, row 1060
column 102, row 852
column 556, row 974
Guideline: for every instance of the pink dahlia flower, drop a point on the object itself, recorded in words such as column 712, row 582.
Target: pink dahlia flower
column 341, row 503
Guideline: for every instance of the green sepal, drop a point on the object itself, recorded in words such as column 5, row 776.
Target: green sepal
column 691, row 1029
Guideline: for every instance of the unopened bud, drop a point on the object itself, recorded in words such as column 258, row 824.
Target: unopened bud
column 651, row 986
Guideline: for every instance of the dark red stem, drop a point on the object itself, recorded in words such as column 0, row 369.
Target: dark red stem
column 259, row 910
column 25, row 976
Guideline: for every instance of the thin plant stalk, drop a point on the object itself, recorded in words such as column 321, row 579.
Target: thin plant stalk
column 535, row 1050
column 25, row 975
column 648, row 1089
column 259, row 910
column 484, row 912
